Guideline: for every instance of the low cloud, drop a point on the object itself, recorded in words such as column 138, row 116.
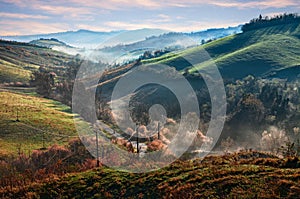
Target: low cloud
column 156, row 4
column 256, row 4
column 22, row 16
column 186, row 26
column 61, row 10
column 28, row 27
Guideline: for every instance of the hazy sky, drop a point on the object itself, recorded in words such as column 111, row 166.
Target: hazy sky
column 33, row 16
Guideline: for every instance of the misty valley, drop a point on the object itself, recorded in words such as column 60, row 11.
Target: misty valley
column 152, row 114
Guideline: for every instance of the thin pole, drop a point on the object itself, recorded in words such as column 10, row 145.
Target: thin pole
column 97, row 146
column 158, row 130
column 102, row 152
column 137, row 138
column 43, row 140
column 18, row 115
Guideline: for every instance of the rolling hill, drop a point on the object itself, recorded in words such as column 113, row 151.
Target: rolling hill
column 264, row 52
column 126, row 45
column 58, row 45
column 172, row 41
column 18, row 60
column 48, row 43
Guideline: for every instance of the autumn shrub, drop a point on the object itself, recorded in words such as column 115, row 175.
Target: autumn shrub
column 267, row 162
column 88, row 164
column 291, row 162
column 284, row 187
column 46, row 159
column 21, row 163
column 79, row 150
column 42, row 164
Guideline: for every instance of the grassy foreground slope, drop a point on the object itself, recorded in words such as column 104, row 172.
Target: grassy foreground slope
column 39, row 119
column 18, row 60
column 242, row 175
column 261, row 52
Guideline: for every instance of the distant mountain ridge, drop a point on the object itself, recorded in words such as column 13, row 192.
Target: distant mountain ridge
column 122, row 46
column 80, row 38
column 86, row 38
column 92, row 39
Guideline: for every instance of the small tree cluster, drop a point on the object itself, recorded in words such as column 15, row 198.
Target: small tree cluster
column 261, row 22
column 44, row 82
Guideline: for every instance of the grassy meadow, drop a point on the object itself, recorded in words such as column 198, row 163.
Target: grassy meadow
column 39, row 119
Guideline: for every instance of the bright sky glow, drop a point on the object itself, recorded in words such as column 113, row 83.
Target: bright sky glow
column 23, row 17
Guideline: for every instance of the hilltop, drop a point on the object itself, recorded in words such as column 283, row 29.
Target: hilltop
column 48, row 43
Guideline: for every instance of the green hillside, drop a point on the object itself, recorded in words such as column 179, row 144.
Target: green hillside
column 261, row 52
column 241, row 175
column 18, row 60
column 39, row 120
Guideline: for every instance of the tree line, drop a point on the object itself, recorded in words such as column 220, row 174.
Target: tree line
column 262, row 22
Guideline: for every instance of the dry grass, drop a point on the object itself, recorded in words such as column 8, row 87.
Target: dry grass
column 213, row 177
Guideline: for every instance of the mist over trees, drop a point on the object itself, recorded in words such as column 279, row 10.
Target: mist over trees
column 253, row 103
